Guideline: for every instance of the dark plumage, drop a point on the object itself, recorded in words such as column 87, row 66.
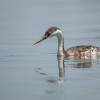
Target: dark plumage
column 83, row 50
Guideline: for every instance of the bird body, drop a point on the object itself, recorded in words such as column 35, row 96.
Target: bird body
column 81, row 50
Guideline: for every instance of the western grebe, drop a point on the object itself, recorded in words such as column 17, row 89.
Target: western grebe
column 82, row 50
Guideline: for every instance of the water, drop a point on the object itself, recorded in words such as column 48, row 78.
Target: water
column 35, row 72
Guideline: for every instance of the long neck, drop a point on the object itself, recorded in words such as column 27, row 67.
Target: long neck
column 60, row 43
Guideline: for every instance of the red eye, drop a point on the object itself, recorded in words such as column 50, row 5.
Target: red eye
column 48, row 33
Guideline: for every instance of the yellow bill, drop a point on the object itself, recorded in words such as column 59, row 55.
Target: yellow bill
column 44, row 37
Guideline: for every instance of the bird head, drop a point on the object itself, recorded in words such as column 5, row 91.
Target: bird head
column 52, row 31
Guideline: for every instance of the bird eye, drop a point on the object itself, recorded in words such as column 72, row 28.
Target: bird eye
column 48, row 34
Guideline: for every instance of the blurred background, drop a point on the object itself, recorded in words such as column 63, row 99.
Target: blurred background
column 23, row 20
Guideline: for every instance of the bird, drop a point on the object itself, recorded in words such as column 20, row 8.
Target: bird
column 81, row 50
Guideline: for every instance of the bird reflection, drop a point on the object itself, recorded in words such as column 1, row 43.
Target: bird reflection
column 79, row 62
column 82, row 61
column 61, row 66
column 76, row 62
column 56, row 84
column 85, row 57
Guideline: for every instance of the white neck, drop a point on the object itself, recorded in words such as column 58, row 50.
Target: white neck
column 60, row 42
